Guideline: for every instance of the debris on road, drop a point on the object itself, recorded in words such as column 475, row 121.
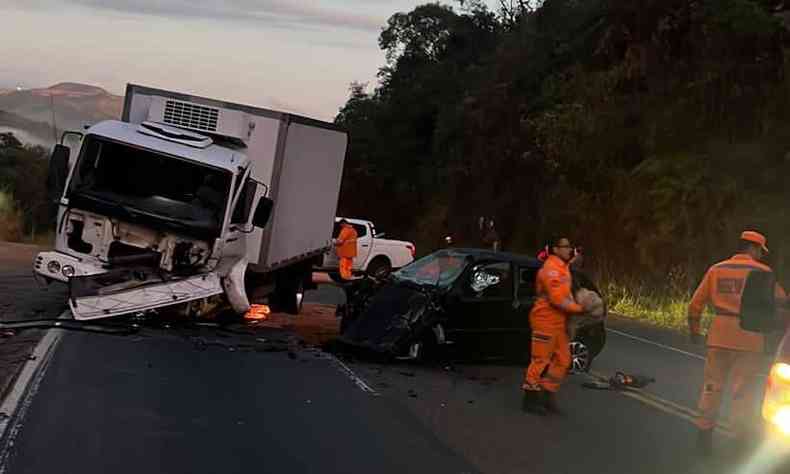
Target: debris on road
column 620, row 381
column 258, row 312
column 407, row 374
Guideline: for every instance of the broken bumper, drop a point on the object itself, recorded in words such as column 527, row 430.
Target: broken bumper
column 145, row 297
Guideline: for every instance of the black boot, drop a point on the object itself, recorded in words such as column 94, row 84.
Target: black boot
column 550, row 402
column 533, row 403
column 705, row 442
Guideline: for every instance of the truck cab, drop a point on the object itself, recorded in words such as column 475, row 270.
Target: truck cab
column 144, row 200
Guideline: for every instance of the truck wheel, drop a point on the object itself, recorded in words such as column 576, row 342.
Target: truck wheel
column 289, row 295
column 380, row 267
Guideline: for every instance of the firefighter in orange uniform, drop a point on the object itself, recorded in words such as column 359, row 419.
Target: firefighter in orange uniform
column 732, row 352
column 346, row 248
column 550, row 350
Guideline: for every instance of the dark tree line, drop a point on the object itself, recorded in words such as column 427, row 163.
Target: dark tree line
column 651, row 131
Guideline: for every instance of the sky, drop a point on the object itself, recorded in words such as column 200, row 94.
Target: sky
column 292, row 55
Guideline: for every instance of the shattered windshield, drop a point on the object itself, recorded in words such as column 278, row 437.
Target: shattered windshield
column 440, row 269
column 134, row 183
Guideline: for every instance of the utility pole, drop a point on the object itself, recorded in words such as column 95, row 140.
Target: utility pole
column 52, row 110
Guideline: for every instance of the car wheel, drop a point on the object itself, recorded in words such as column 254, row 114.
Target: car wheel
column 581, row 359
column 422, row 350
column 380, row 268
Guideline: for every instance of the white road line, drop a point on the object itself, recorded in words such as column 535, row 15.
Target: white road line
column 17, row 403
column 647, row 341
column 346, row 370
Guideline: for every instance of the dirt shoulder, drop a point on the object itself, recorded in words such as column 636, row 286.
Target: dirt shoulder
column 21, row 298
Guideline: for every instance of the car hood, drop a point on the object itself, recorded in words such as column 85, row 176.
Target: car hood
column 395, row 316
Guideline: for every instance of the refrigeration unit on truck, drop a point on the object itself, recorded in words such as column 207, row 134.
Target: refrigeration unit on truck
column 188, row 198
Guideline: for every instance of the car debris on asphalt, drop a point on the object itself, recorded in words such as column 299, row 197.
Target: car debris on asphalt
column 620, row 381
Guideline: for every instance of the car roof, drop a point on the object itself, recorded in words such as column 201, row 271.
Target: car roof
column 483, row 254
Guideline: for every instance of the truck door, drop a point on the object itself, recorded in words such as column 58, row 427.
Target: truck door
column 364, row 246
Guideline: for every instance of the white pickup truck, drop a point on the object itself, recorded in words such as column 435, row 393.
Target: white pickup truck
column 375, row 255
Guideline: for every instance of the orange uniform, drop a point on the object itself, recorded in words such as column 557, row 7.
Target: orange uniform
column 732, row 351
column 550, row 354
column 346, row 248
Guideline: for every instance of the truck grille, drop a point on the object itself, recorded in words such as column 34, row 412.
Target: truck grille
column 188, row 115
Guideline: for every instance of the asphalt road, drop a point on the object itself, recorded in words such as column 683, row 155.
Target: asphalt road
column 161, row 403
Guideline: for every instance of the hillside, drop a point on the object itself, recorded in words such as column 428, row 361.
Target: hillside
column 651, row 132
column 74, row 106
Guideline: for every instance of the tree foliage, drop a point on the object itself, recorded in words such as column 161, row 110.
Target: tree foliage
column 652, row 131
column 23, row 206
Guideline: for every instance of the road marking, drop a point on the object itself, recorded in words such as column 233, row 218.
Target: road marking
column 346, row 370
column 647, row 341
column 664, row 405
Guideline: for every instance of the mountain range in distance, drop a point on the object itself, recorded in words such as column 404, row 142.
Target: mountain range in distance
column 29, row 113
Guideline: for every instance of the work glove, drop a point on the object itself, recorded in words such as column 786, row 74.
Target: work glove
column 695, row 339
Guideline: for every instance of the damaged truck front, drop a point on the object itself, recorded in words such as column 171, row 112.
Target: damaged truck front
column 190, row 198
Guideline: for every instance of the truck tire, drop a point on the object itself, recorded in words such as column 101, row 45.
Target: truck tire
column 289, row 294
column 380, row 267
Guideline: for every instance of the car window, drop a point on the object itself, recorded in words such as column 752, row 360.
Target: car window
column 439, row 269
column 362, row 230
column 492, row 280
column 526, row 283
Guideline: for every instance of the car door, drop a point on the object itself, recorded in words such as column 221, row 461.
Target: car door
column 524, row 300
column 480, row 318
column 364, row 246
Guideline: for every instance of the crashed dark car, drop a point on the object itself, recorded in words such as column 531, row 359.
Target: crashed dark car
column 473, row 304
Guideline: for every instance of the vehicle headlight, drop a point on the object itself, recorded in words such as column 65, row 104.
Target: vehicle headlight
column 68, row 271
column 53, row 266
column 781, row 420
column 781, row 372
column 776, row 404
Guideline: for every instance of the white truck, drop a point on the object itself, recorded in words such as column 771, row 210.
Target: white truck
column 375, row 255
column 187, row 198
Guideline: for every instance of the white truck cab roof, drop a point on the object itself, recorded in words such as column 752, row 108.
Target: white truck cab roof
column 213, row 155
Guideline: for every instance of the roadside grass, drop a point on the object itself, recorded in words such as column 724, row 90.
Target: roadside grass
column 668, row 310
column 10, row 218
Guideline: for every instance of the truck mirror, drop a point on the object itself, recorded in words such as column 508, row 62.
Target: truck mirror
column 263, row 212
column 58, row 172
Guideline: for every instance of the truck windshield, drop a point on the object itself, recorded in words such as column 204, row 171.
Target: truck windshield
column 133, row 183
column 440, row 269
